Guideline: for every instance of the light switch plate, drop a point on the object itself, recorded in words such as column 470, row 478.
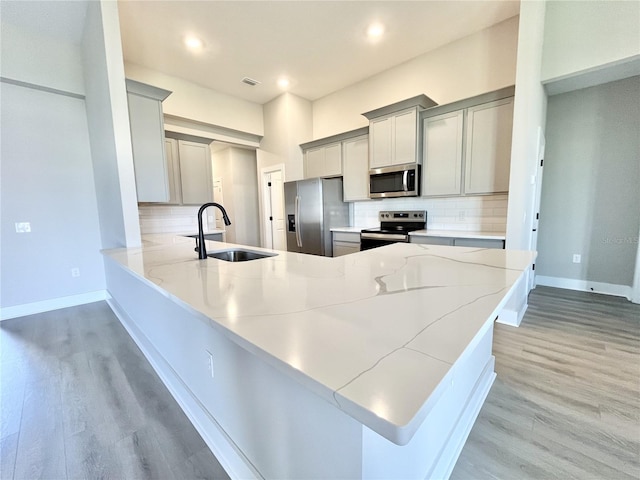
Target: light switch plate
column 23, row 227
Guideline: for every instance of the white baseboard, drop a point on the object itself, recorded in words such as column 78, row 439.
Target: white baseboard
column 52, row 304
column 512, row 317
column 220, row 444
column 585, row 286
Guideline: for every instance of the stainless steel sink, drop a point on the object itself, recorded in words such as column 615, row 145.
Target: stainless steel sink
column 239, row 255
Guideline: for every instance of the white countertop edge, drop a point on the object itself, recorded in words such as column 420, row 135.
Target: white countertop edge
column 459, row 234
column 350, row 229
column 399, row 434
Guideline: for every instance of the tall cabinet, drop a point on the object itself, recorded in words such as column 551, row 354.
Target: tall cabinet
column 467, row 146
column 147, row 133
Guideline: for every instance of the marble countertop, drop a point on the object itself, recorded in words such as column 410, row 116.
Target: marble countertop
column 348, row 229
column 375, row 333
column 460, row 234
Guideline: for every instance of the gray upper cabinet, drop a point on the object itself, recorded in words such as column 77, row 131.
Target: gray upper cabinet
column 147, row 139
column 195, row 173
column 190, row 176
column 442, row 165
column 467, row 146
column 394, row 132
column 355, row 164
column 488, row 147
column 323, row 161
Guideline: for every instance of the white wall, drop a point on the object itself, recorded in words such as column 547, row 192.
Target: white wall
column 33, row 59
column 582, row 35
column 591, row 195
column 237, row 169
column 288, row 123
column 201, row 104
column 529, row 114
column 108, row 118
column 476, row 64
column 46, row 177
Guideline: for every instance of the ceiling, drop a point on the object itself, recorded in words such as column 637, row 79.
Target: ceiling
column 320, row 45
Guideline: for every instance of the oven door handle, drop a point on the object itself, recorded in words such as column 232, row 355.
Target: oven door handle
column 385, row 236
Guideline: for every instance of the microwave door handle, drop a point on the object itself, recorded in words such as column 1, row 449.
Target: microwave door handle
column 297, row 220
column 405, row 180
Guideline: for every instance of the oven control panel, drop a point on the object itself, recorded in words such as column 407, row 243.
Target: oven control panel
column 402, row 216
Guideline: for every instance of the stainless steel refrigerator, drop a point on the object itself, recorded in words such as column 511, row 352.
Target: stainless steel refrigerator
column 312, row 208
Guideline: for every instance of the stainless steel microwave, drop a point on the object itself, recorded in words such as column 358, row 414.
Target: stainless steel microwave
column 395, row 181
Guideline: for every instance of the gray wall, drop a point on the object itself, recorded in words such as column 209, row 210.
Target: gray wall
column 591, row 188
column 47, row 180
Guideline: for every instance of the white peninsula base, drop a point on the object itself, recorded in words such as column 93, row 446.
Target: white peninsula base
column 262, row 423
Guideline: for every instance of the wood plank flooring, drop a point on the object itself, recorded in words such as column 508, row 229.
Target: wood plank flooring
column 78, row 399
column 566, row 402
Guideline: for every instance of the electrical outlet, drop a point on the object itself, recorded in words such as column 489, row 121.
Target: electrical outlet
column 462, row 215
column 577, row 258
column 75, row 272
column 23, row 227
column 211, row 218
column 210, row 363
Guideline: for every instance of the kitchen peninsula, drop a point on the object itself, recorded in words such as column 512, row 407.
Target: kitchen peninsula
column 370, row 365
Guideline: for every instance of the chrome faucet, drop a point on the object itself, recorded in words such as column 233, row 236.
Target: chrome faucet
column 202, row 251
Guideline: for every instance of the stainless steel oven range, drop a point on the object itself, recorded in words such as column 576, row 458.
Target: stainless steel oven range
column 394, row 227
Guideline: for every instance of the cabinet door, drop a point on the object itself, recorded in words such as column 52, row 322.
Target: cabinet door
column 380, row 142
column 147, row 139
column 195, row 173
column 344, row 248
column 332, row 160
column 442, row 164
column 173, row 167
column 405, row 137
column 355, row 179
column 488, row 147
column 314, row 162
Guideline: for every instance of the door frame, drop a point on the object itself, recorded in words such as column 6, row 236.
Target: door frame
column 265, row 203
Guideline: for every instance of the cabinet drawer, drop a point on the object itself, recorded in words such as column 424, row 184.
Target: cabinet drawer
column 347, row 237
column 478, row 243
column 432, row 240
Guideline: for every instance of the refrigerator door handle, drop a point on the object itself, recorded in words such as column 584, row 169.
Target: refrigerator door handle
column 297, row 219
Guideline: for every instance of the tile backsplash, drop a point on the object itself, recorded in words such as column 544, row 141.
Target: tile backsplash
column 170, row 219
column 479, row 213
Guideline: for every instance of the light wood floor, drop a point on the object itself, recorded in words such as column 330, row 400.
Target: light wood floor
column 78, row 399
column 566, row 402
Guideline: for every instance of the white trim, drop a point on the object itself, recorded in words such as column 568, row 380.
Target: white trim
column 262, row 200
column 52, row 304
column 512, row 317
column 635, row 290
column 585, row 286
column 228, row 454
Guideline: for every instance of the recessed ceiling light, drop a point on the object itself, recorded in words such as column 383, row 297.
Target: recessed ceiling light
column 193, row 43
column 283, row 82
column 375, row 30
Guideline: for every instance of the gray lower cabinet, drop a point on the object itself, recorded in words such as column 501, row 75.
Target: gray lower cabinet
column 459, row 242
column 345, row 243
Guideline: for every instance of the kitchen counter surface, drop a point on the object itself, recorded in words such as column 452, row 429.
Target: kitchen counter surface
column 375, row 333
column 459, row 234
column 349, row 229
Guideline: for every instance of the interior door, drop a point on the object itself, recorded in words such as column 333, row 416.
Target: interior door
column 310, row 216
column 278, row 223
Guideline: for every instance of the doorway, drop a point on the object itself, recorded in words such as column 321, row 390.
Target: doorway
column 273, row 210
